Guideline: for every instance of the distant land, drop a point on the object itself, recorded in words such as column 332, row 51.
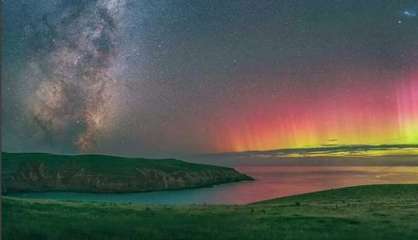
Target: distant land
column 337, row 150
column 347, row 155
column 42, row 172
column 363, row 212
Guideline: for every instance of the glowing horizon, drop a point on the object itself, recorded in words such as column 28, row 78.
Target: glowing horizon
column 376, row 115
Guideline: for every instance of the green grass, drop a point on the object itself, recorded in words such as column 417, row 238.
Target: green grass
column 364, row 212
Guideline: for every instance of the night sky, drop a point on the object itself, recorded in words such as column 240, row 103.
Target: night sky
column 185, row 77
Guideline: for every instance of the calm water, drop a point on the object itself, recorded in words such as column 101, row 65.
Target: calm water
column 271, row 182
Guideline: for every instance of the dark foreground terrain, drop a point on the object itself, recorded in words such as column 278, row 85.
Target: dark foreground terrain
column 364, row 212
column 28, row 172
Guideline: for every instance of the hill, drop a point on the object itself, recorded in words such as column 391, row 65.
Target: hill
column 364, row 212
column 23, row 172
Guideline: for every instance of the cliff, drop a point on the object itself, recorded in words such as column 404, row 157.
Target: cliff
column 40, row 172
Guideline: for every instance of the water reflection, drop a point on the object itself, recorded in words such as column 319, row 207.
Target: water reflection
column 271, row 182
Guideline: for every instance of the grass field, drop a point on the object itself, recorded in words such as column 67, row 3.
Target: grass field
column 364, row 212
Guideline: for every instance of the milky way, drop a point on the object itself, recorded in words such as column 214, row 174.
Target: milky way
column 73, row 99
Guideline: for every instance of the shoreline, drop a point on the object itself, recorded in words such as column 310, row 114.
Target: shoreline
column 27, row 172
column 7, row 194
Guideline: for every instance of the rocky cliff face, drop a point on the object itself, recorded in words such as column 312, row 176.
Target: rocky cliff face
column 44, row 176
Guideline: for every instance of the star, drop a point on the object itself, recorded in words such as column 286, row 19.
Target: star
column 409, row 13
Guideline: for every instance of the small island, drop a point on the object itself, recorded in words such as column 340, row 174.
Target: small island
column 41, row 172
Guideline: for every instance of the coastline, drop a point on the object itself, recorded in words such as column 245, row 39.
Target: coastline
column 108, row 174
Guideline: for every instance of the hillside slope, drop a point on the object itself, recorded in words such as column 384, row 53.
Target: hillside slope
column 23, row 172
column 364, row 212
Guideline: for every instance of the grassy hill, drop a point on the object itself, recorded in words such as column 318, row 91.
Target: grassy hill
column 364, row 212
column 101, row 173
